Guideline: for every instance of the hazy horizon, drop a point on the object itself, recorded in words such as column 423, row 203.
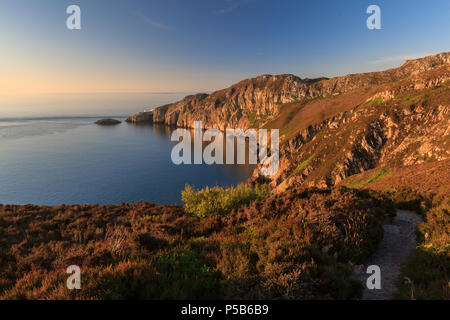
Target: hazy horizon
column 219, row 88
column 15, row 106
column 95, row 104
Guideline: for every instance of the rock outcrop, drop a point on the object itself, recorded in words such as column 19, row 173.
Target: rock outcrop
column 333, row 128
column 107, row 122
column 255, row 101
column 384, row 135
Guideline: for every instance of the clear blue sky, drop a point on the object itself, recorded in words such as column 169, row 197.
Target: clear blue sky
column 203, row 45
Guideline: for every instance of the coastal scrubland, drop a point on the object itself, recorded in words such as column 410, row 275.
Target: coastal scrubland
column 295, row 245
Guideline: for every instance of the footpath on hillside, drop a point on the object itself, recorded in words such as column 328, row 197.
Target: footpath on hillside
column 398, row 243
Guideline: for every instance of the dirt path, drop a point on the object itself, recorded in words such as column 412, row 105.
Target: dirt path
column 398, row 243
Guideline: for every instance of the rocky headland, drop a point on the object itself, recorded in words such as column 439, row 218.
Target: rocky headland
column 332, row 128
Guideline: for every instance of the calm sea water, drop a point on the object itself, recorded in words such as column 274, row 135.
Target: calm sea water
column 54, row 160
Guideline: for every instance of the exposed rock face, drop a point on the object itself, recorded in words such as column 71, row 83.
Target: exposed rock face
column 252, row 102
column 146, row 116
column 107, row 122
column 232, row 107
column 385, row 135
column 397, row 117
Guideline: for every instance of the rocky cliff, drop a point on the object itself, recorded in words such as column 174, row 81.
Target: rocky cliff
column 333, row 128
column 234, row 107
column 252, row 102
column 398, row 123
column 411, row 129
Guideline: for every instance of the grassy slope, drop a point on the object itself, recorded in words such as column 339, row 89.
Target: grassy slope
column 329, row 150
column 428, row 178
column 297, row 116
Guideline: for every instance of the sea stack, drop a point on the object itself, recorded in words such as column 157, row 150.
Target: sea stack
column 107, row 122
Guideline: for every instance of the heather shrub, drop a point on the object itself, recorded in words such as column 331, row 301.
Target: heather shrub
column 217, row 200
column 409, row 199
column 293, row 245
column 181, row 274
column 297, row 245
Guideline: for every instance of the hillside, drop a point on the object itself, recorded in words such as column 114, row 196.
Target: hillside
column 353, row 150
column 410, row 127
column 422, row 188
column 384, row 131
column 333, row 128
column 255, row 101
column 431, row 177
column 292, row 246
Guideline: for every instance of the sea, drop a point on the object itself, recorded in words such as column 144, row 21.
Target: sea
column 52, row 152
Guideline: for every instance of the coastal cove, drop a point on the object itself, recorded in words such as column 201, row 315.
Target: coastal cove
column 67, row 160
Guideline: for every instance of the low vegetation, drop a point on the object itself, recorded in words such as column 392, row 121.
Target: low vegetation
column 303, row 165
column 432, row 96
column 426, row 274
column 220, row 201
column 378, row 175
column 372, row 102
column 257, row 120
column 424, row 189
column 295, row 245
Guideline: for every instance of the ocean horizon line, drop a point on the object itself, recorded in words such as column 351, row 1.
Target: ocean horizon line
column 100, row 93
column 61, row 117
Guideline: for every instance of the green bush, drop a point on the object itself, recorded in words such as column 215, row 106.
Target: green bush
column 217, row 200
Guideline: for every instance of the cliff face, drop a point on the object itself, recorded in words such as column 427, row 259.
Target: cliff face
column 411, row 129
column 253, row 102
column 395, row 124
column 333, row 128
column 233, row 107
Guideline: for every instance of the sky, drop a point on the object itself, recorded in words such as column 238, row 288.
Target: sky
column 205, row 45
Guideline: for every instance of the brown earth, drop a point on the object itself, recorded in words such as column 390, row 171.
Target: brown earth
column 428, row 178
